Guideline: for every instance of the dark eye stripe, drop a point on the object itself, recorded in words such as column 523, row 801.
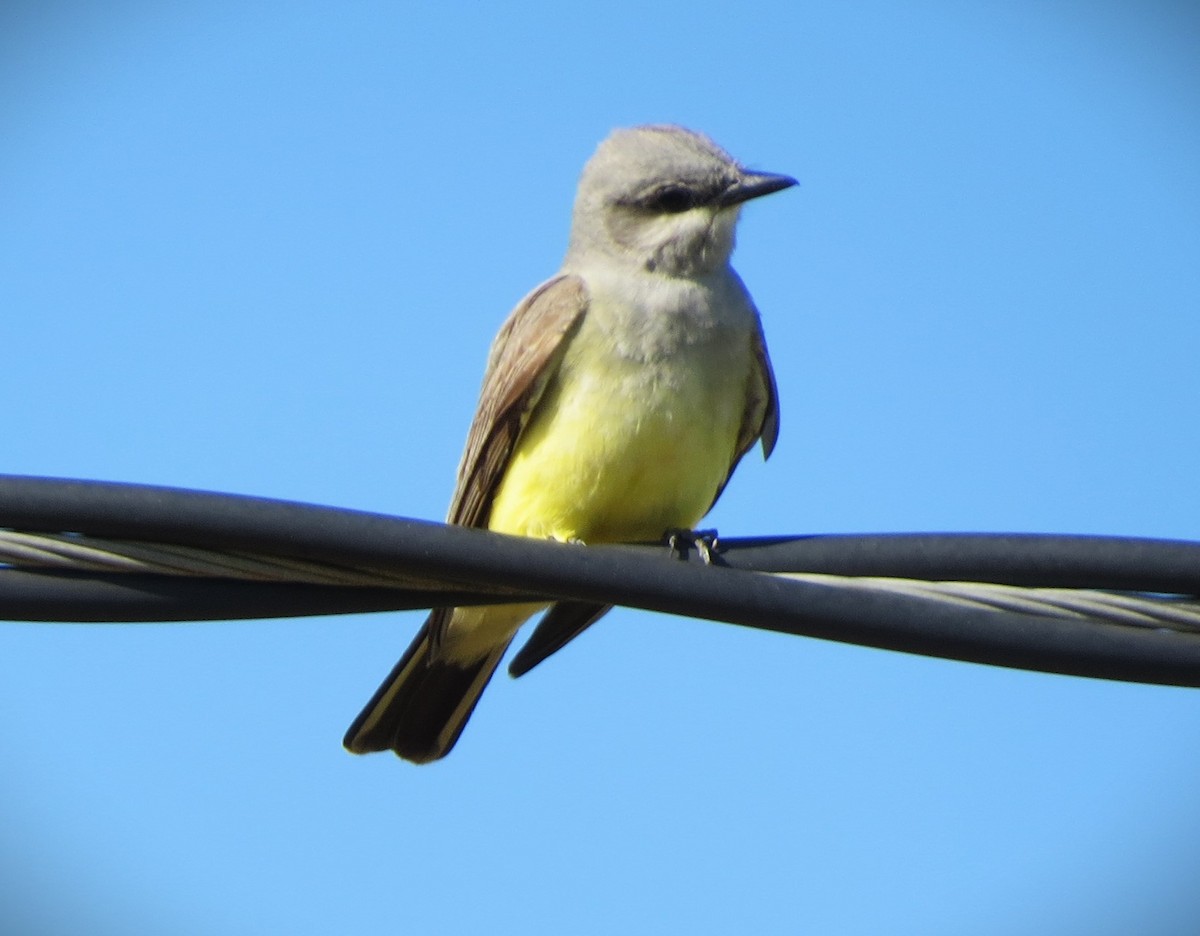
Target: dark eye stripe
column 672, row 199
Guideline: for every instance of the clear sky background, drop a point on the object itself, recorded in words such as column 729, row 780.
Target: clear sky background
column 263, row 248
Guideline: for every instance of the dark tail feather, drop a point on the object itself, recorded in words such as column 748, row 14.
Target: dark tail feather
column 565, row 621
column 422, row 706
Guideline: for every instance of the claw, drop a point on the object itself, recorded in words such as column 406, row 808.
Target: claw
column 703, row 541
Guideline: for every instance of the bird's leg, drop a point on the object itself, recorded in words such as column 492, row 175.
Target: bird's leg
column 703, row 541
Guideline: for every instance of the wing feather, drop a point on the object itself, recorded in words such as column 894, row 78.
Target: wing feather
column 760, row 419
column 763, row 398
column 523, row 358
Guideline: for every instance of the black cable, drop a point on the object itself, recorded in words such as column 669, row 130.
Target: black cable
column 92, row 597
column 1030, row 560
column 637, row 576
column 231, row 521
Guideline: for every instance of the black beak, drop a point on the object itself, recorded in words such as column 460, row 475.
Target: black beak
column 753, row 185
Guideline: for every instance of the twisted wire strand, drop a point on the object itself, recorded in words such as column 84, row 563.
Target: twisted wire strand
column 1170, row 612
column 66, row 551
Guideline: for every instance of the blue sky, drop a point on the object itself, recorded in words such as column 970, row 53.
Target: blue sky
column 263, row 249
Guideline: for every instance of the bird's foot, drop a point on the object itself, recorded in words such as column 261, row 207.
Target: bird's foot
column 703, row 541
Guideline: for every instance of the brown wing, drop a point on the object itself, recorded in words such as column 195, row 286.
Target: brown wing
column 524, row 356
column 760, row 419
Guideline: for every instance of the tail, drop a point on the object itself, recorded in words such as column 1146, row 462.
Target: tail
column 423, row 705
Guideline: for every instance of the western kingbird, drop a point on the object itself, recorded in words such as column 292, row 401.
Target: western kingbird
column 619, row 397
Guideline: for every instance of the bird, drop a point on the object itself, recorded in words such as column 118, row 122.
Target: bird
column 618, row 398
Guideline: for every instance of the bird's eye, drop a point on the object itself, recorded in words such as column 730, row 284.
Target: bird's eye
column 672, row 199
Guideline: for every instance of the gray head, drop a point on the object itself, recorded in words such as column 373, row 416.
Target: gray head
column 663, row 198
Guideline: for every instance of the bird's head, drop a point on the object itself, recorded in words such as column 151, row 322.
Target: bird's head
column 665, row 199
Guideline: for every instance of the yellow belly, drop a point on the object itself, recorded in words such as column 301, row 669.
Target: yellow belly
column 622, row 450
